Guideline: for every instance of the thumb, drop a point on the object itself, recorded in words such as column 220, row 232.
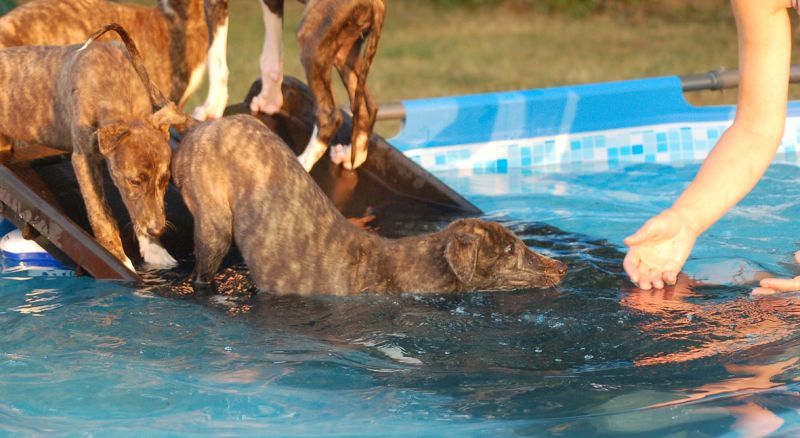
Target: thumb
column 650, row 230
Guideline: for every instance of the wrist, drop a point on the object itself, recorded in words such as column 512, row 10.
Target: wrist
column 690, row 223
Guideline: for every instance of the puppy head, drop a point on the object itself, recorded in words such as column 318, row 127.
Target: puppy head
column 486, row 256
column 138, row 156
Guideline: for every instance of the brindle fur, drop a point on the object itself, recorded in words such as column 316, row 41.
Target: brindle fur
column 331, row 34
column 173, row 36
column 294, row 240
column 91, row 101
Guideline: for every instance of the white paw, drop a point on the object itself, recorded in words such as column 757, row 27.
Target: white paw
column 359, row 153
column 340, row 154
column 212, row 109
column 313, row 152
column 269, row 101
column 154, row 255
column 128, row 264
column 306, row 160
column 356, row 163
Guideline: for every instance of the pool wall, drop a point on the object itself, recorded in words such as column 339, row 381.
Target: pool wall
column 607, row 125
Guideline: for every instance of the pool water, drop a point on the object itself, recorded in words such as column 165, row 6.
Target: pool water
column 591, row 357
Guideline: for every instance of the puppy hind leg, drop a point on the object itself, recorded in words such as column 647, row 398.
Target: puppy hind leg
column 270, row 99
column 348, row 64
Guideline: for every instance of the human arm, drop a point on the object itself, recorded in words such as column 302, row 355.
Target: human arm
column 660, row 248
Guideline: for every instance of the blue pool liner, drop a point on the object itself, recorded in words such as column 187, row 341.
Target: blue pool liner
column 611, row 124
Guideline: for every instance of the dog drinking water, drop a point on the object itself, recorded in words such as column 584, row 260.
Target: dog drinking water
column 241, row 182
column 96, row 101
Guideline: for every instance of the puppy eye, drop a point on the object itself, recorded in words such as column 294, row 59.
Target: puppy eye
column 135, row 181
column 508, row 249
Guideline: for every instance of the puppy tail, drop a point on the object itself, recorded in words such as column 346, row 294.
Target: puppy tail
column 157, row 98
column 378, row 14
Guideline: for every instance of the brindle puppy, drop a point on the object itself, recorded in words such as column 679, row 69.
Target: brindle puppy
column 294, row 240
column 96, row 101
column 173, row 36
column 331, row 34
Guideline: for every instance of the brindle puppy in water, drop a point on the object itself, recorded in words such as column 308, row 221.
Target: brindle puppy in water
column 96, row 101
column 241, row 181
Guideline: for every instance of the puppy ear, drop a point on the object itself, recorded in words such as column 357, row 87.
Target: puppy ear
column 109, row 136
column 461, row 253
column 169, row 115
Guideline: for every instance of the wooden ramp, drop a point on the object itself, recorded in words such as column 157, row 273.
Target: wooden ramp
column 40, row 195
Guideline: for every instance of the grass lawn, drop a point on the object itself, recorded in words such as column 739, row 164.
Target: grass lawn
column 427, row 51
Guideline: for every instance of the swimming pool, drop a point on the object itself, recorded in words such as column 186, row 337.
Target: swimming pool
column 590, row 357
column 582, row 167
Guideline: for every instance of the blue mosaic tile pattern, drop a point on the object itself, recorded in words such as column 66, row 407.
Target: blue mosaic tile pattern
column 608, row 149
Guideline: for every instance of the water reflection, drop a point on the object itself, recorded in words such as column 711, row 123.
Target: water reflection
column 720, row 328
column 39, row 301
column 714, row 326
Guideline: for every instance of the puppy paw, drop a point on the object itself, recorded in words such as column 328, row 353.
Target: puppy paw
column 269, row 101
column 356, row 163
column 314, row 151
column 360, row 149
column 128, row 264
column 340, row 154
column 211, row 109
column 154, row 255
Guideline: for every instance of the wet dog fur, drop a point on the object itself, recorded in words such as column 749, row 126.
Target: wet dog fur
column 96, row 102
column 294, row 241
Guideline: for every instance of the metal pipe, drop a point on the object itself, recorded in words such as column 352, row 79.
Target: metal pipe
column 723, row 78
column 391, row 111
column 719, row 79
column 386, row 111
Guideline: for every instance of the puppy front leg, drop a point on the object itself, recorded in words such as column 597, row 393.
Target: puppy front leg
column 212, row 240
column 104, row 226
column 270, row 99
column 217, row 62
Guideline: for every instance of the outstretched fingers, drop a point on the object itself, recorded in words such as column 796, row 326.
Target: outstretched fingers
column 631, row 265
column 644, row 277
column 771, row 286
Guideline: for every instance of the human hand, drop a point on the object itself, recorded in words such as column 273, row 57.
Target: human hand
column 659, row 249
column 771, row 286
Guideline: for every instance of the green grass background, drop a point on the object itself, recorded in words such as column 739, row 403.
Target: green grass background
column 449, row 47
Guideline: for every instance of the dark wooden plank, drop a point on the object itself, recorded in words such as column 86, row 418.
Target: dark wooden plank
column 27, row 155
column 29, row 207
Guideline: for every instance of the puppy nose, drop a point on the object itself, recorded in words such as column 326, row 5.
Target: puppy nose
column 155, row 232
column 561, row 268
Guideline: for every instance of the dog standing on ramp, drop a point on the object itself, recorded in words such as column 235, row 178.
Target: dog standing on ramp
column 96, row 101
column 331, row 34
column 295, row 241
column 173, row 35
